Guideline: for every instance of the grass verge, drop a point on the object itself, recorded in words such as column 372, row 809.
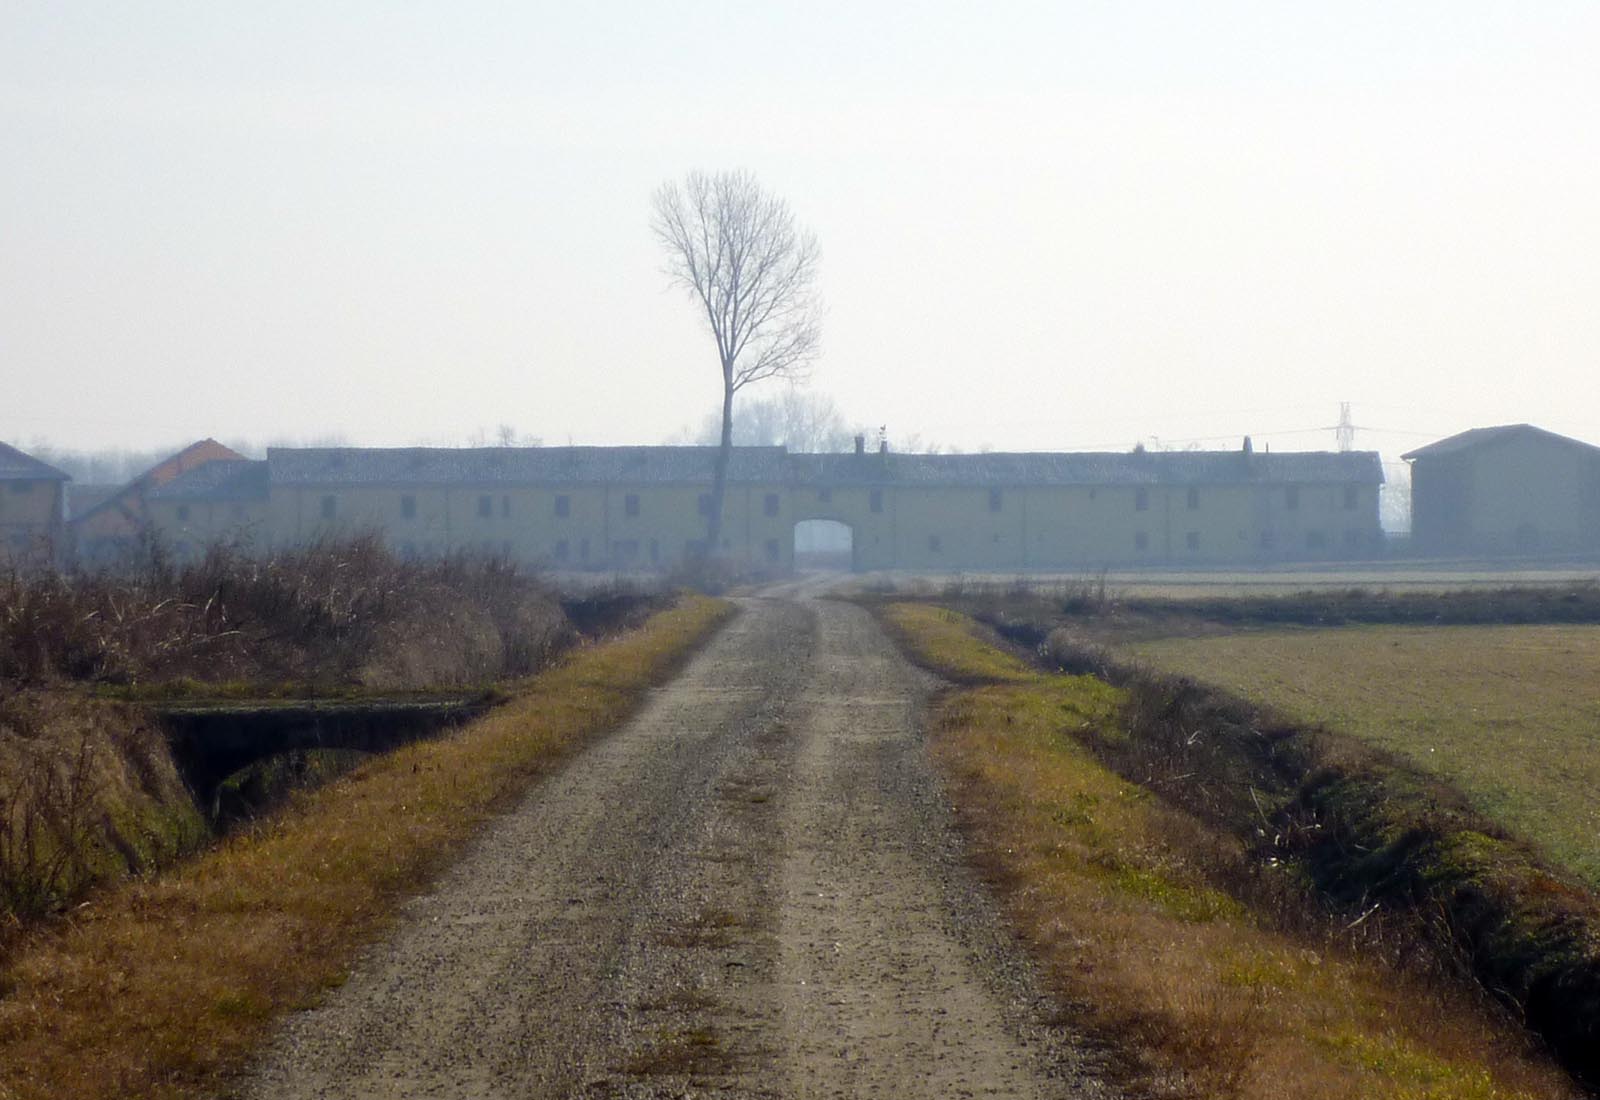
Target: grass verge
column 1131, row 904
column 161, row 988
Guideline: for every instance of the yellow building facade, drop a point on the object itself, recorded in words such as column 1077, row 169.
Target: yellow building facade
column 645, row 508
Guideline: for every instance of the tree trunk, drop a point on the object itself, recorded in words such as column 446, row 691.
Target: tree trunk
column 719, row 484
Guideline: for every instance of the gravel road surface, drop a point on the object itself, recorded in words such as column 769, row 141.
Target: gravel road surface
column 753, row 889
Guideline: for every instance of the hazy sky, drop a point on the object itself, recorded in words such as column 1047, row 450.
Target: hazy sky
column 1044, row 225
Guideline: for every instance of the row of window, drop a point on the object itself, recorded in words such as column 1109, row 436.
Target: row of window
column 770, row 506
column 1291, row 499
column 624, row 551
column 771, row 503
column 1315, row 540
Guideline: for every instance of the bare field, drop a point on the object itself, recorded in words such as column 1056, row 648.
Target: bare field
column 1264, row 581
column 1509, row 714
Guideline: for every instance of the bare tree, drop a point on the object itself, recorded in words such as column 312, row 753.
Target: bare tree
column 800, row 420
column 738, row 253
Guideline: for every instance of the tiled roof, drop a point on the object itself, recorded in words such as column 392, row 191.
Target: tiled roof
column 1477, row 437
column 422, row 466
column 16, row 466
column 83, row 498
column 1090, row 468
column 130, row 497
column 331, row 466
column 219, row 479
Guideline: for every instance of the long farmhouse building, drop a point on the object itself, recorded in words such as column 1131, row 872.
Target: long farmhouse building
column 646, row 507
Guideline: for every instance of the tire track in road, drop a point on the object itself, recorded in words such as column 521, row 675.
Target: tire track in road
column 753, row 889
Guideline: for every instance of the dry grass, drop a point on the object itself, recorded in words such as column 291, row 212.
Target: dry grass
column 88, row 793
column 1509, row 714
column 160, row 989
column 1116, row 892
column 337, row 612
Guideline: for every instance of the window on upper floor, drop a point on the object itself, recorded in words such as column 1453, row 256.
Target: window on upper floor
column 1194, row 498
column 563, row 505
column 1141, row 500
column 769, row 504
column 996, row 499
column 630, row 507
column 486, row 506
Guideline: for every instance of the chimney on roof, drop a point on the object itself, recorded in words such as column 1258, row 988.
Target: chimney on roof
column 861, row 444
column 1249, row 448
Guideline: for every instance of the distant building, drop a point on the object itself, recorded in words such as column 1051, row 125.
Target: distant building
column 107, row 529
column 32, row 509
column 1514, row 489
column 645, row 507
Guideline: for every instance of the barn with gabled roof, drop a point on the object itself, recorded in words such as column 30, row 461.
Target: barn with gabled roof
column 1513, row 489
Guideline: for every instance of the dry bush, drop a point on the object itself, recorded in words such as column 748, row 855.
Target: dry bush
column 335, row 612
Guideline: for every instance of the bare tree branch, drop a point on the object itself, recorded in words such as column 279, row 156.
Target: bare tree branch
column 737, row 252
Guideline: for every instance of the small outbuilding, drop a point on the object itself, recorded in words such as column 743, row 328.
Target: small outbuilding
column 32, row 509
column 1508, row 490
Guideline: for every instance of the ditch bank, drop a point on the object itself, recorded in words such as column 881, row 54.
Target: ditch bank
column 92, row 790
column 1377, row 839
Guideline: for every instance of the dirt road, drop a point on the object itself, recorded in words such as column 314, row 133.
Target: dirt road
column 751, row 890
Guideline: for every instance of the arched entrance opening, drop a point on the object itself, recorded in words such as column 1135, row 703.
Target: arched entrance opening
column 824, row 546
